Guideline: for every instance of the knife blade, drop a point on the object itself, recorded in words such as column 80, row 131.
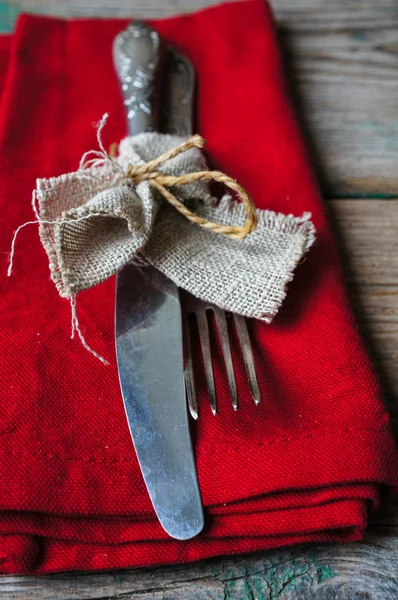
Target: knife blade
column 148, row 329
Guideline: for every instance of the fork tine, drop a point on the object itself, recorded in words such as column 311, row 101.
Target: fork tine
column 190, row 387
column 244, row 339
column 204, row 336
column 226, row 347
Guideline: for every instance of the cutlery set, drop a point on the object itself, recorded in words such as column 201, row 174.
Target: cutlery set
column 152, row 325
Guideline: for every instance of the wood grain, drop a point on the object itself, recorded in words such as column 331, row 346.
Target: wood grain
column 367, row 234
column 145, row 9
column 365, row 571
column 342, row 64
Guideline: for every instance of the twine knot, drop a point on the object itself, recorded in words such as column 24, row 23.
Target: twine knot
column 149, row 172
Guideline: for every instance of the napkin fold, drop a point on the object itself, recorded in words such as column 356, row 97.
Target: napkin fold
column 304, row 466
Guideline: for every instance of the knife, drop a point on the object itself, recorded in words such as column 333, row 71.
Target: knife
column 148, row 329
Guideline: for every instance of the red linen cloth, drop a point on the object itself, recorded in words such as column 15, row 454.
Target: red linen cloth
column 306, row 464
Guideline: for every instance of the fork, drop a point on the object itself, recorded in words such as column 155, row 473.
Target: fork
column 194, row 306
column 177, row 117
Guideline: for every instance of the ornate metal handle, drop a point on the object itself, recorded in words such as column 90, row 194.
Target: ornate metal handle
column 137, row 53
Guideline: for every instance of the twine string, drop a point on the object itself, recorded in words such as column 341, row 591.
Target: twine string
column 76, row 329
column 149, row 172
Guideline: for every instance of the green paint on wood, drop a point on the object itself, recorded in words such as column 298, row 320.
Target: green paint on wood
column 267, row 581
column 361, row 196
column 359, row 36
column 292, row 576
column 8, row 16
column 324, row 572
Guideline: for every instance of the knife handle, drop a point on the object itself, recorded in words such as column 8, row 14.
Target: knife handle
column 138, row 56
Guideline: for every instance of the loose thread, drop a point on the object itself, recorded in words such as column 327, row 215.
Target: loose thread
column 35, row 205
column 75, row 321
column 38, row 221
column 14, row 238
column 100, row 154
column 100, row 127
column 94, row 159
column 76, row 328
column 101, row 157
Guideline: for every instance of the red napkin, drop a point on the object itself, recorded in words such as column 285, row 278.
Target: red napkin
column 304, row 466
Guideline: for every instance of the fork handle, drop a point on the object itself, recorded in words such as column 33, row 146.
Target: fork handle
column 177, row 111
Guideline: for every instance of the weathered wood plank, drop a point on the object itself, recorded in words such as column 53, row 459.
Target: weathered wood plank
column 342, row 65
column 367, row 235
column 342, row 59
column 367, row 570
column 291, row 10
column 104, row 8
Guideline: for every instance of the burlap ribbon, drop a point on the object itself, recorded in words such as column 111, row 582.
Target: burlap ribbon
column 111, row 211
column 95, row 220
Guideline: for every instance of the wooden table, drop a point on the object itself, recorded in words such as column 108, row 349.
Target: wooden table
column 342, row 61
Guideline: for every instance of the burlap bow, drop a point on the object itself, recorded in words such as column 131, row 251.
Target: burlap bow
column 95, row 220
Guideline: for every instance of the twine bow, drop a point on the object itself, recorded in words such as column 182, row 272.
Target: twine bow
column 160, row 181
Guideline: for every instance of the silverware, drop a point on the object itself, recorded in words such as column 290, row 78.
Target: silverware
column 193, row 306
column 177, row 110
column 177, row 117
column 137, row 56
column 148, row 329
